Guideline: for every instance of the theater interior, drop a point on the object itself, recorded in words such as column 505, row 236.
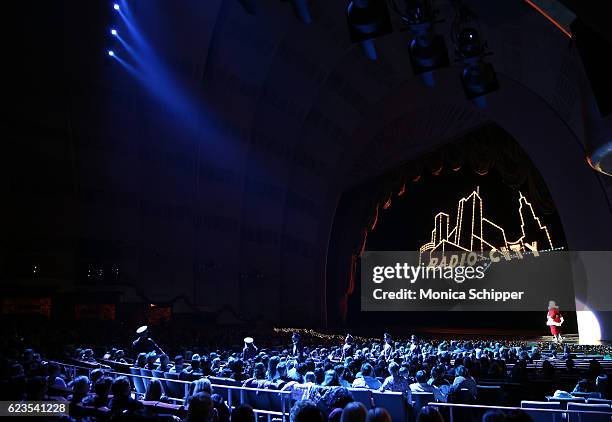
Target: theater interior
column 197, row 193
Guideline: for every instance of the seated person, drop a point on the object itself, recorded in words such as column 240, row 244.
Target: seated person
column 100, row 398
column 367, row 380
column 421, row 386
column 122, row 400
column 395, row 382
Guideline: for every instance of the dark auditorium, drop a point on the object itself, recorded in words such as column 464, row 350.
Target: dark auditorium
column 307, row 211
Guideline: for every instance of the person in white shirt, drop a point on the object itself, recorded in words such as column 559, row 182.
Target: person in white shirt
column 367, row 380
column 395, row 382
column 387, row 350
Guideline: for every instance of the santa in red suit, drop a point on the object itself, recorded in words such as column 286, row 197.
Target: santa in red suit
column 554, row 319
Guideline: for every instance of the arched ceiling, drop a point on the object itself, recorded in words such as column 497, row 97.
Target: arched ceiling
column 235, row 194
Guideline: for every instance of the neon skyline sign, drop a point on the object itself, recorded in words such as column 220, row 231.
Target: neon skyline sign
column 473, row 233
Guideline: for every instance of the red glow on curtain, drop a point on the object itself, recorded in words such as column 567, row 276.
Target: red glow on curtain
column 387, row 204
column 363, row 242
column 375, row 222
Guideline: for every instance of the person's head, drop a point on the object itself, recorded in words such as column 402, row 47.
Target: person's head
column 305, row 411
column 582, row 386
column 331, row 378
column 259, row 371
column 80, row 386
column 517, row 415
column 462, row 371
column 202, row 385
column 95, row 375
column 366, row 369
column 223, row 411
column 281, row 369
column 438, row 372
column 195, row 361
column 151, row 358
column 387, row 338
column 295, row 337
column 164, row 360
column 348, row 339
column 141, row 360
column 121, row 388
column 421, row 376
column 552, row 305
column 243, row 413
column 494, row 416
column 338, row 397
column 201, row 408
column 378, row 414
column 310, row 377
column 354, row 412
column 429, row 414
column 102, row 386
column 394, row 369
column 179, row 362
column 155, row 390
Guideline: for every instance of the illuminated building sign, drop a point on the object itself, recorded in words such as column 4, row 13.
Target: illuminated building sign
column 473, row 232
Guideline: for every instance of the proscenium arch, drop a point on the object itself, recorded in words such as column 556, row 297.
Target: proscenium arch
column 554, row 149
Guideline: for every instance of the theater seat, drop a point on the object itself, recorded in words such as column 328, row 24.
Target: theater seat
column 563, row 402
column 146, row 373
column 137, row 381
column 395, row 403
column 362, row 395
column 585, row 417
column 231, row 396
column 542, row 416
column 489, row 394
column 599, row 401
column 420, row 399
column 174, row 388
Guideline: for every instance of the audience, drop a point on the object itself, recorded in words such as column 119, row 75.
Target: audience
column 317, row 376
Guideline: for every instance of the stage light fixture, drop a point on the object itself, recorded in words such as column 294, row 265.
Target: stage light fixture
column 116, row 6
column 111, row 53
column 427, row 49
column 114, row 32
column 367, row 20
column 478, row 77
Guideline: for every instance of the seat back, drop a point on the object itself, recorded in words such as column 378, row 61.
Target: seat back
column 162, row 378
column 146, row 373
column 394, row 403
column 137, row 381
column 363, row 396
column 564, row 401
column 599, row 401
column 542, row 416
column 270, row 400
column 231, row 396
column 586, row 417
column 176, row 389
column 490, row 394
column 420, row 399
